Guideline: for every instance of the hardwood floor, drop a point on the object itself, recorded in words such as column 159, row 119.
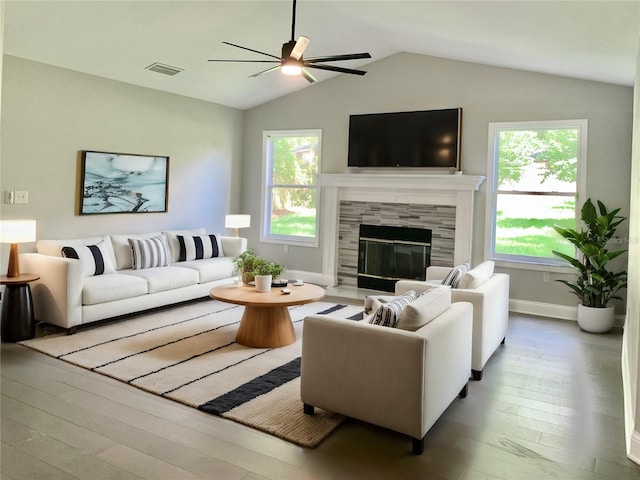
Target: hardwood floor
column 549, row 406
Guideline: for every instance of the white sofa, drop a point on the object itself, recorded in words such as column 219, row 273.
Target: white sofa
column 490, row 299
column 398, row 379
column 65, row 296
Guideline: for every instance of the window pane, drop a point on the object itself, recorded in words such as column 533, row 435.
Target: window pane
column 295, row 160
column 293, row 211
column 540, row 160
column 524, row 224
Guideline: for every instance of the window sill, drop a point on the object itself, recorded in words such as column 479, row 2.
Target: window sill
column 540, row 267
column 312, row 243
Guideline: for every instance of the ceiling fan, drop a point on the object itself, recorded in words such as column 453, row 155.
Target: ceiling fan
column 291, row 61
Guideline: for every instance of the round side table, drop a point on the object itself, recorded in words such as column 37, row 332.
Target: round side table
column 17, row 308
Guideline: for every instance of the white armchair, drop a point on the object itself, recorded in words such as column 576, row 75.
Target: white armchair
column 490, row 302
column 398, row 379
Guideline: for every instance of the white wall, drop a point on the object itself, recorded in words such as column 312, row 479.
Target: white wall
column 49, row 114
column 486, row 94
column 631, row 338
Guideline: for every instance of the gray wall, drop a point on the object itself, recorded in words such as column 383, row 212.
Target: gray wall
column 49, row 114
column 486, row 94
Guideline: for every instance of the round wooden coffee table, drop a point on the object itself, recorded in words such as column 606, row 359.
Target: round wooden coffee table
column 266, row 322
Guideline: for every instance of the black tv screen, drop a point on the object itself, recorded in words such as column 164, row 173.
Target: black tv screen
column 428, row 138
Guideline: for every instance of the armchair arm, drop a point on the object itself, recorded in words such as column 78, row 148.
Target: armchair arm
column 418, row 286
column 490, row 315
column 437, row 273
column 57, row 295
column 233, row 246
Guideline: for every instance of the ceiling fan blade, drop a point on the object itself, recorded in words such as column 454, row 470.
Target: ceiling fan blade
column 335, row 58
column 265, row 71
column 251, row 50
column 299, row 48
column 335, row 69
column 245, row 61
column 310, row 78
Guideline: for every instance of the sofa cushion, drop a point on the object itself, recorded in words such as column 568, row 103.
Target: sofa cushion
column 210, row 269
column 424, row 308
column 456, row 274
column 477, row 275
column 122, row 248
column 197, row 247
column 112, row 287
column 387, row 314
column 165, row 278
column 95, row 258
column 149, row 252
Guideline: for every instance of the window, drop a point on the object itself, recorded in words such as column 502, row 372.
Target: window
column 537, row 172
column 291, row 165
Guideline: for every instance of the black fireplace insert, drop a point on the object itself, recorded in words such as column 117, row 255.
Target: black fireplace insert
column 387, row 254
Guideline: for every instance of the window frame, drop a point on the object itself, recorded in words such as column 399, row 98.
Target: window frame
column 521, row 261
column 267, row 186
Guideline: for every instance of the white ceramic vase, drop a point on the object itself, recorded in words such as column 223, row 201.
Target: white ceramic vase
column 263, row 283
column 596, row 320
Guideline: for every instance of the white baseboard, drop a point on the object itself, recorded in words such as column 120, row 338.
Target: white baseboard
column 634, row 447
column 563, row 312
column 311, row 277
column 528, row 307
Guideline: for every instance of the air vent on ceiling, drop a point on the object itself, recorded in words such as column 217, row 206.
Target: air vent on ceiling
column 164, row 69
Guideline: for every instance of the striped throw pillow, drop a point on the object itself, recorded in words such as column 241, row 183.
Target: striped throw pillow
column 456, row 274
column 198, row 247
column 149, row 252
column 387, row 314
column 95, row 259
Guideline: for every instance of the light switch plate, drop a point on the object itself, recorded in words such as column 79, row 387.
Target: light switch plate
column 21, row 196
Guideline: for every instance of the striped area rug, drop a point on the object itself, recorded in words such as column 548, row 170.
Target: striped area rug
column 189, row 354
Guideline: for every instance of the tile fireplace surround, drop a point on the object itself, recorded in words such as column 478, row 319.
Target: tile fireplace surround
column 402, row 190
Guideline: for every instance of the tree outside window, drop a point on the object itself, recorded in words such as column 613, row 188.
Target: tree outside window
column 291, row 166
column 537, row 178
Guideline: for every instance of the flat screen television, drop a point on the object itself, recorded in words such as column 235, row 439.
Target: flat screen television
column 428, row 138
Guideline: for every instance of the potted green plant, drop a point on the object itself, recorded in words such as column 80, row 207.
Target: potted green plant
column 245, row 264
column 595, row 285
column 264, row 273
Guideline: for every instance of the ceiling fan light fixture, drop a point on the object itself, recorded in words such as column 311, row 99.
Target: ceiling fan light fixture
column 291, row 67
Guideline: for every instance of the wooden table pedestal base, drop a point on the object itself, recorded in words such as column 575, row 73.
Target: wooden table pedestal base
column 265, row 327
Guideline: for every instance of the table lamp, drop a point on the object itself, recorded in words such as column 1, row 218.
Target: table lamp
column 237, row 221
column 14, row 232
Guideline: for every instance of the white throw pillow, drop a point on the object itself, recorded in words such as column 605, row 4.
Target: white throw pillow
column 149, row 252
column 197, row 247
column 425, row 308
column 478, row 275
column 387, row 314
column 95, row 258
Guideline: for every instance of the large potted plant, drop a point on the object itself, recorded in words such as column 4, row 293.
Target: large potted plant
column 595, row 285
column 265, row 272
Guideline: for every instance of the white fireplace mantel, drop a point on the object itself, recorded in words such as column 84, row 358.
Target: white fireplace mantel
column 419, row 189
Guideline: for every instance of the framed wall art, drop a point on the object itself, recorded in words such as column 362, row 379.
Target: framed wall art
column 123, row 183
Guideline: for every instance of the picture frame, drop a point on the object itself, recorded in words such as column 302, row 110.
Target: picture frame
column 112, row 183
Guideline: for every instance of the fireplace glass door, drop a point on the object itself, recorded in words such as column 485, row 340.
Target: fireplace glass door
column 388, row 254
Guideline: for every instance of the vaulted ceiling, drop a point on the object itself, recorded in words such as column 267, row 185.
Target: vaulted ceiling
column 596, row 40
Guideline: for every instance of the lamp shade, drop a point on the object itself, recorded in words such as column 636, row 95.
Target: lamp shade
column 17, row 231
column 237, row 221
